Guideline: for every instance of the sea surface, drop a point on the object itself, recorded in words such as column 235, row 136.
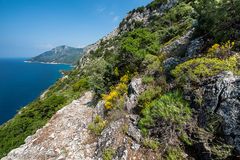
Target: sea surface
column 21, row 83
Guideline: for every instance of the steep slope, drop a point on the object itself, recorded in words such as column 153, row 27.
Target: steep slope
column 166, row 86
column 60, row 54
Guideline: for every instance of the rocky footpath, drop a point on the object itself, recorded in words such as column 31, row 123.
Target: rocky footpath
column 66, row 135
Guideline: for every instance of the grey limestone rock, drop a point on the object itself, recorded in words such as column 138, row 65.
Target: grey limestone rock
column 194, row 47
column 222, row 96
column 135, row 88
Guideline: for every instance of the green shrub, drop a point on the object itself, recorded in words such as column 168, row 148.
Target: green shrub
column 185, row 139
column 221, row 150
column 97, row 125
column 217, row 21
column 221, row 51
column 137, row 41
column 170, row 107
column 152, row 144
column 147, row 96
column 108, row 154
column 147, row 79
column 155, row 4
column 173, row 23
column 153, row 63
column 175, row 153
column 95, row 73
column 196, row 69
column 81, row 85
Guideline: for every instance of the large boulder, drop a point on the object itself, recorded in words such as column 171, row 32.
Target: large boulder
column 222, row 96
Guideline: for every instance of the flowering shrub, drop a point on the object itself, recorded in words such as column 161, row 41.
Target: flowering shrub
column 221, row 51
column 196, row 69
column 116, row 92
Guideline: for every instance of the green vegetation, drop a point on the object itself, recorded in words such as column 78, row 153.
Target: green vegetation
column 221, row 150
column 153, row 63
column 174, row 153
column 155, row 4
column 108, row 154
column 137, row 51
column 97, row 125
column 82, row 84
column 152, row 144
column 148, row 79
column 149, row 95
column 216, row 19
column 196, row 69
column 29, row 119
column 221, row 51
column 170, row 107
column 185, row 139
column 174, row 23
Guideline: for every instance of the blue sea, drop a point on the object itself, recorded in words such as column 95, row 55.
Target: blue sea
column 21, row 83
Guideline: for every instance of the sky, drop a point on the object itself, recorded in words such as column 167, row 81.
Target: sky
column 30, row 27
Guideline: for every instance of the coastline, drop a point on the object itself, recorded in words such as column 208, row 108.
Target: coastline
column 54, row 63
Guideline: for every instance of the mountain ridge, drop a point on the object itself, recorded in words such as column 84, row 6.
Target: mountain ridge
column 61, row 54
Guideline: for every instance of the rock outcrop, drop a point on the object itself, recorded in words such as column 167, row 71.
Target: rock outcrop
column 195, row 47
column 143, row 15
column 179, row 45
column 135, row 89
column 222, row 96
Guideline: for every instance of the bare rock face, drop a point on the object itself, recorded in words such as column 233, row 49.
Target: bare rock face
column 99, row 109
column 170, row 63
column 134, row 90
column 123, row 139
column 195, row 47
column 222, row 96
column 111, row 138
column 143, row 16
column 179, row 45
column 65, row 136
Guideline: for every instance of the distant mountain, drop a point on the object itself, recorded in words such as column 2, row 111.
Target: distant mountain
column 60, row 54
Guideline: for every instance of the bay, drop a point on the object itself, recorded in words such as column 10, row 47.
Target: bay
column 21, row 83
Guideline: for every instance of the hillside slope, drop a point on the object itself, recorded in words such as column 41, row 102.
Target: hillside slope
column 60, row 54
column 165, row 83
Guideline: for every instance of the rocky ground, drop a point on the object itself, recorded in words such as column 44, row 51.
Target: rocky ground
column 66, row 135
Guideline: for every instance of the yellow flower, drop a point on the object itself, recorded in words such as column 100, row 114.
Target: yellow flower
column 124, row 79
column 113, row 94
column 121, row 87
column 108, row 105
